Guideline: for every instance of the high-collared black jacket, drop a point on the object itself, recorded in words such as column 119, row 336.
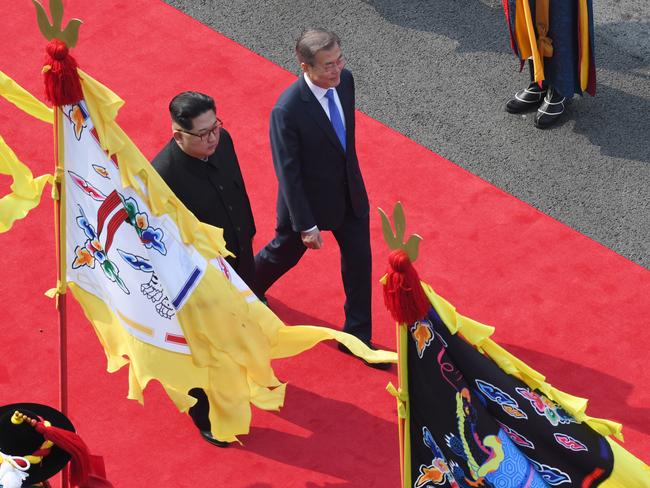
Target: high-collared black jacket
column 212, row 190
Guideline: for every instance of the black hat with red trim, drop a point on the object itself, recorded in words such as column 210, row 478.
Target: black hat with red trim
column 21, row 439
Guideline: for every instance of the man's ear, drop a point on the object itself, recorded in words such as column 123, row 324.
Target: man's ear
column 304, row 67
column 178, row 136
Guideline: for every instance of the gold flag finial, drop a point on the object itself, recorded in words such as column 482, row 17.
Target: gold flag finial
column 69, row 35
column 395, row 240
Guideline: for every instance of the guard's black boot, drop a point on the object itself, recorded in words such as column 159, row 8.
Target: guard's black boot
column 550, row 110
column 529, row 98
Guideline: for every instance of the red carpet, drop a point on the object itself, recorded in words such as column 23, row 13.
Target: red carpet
column 571, row 308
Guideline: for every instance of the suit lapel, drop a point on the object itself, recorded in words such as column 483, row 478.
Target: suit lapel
column 316, row 112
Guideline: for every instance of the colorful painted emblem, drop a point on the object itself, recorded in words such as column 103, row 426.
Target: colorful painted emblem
column 87, row 187
column 77, row 115
column 115, row 228
column 508, row 404
column 438, row 472
column 101, row 171
column 551, row 475
column 516, row 437
column 92, row 252
column 151, row 237
column 569, row 442
column 545, row 407
column 422, row 332
column 483, row 456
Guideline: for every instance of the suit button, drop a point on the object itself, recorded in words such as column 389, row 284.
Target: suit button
column 230, row 207
column 221, row 187
column 238, row 229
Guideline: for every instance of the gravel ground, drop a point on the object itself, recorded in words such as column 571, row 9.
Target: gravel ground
column 440, row 72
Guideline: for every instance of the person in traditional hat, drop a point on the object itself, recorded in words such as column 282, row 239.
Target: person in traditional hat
column 556, row 37
column 36, row 442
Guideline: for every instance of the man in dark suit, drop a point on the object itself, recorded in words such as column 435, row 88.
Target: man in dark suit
column 320, row 184
column 200, row 166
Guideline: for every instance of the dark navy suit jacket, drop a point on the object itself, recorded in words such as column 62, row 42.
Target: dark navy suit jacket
column 318, row 180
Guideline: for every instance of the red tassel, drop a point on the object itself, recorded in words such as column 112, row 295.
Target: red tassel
column 62, row 85
column 403, row 294
column 70, row 442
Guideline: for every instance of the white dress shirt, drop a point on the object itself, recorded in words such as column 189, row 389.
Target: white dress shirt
column 319, row 93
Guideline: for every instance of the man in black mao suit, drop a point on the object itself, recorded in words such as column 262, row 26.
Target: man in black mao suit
column 320, row 184
column 200, row 166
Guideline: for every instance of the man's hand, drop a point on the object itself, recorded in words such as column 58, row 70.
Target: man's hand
column 312, row 239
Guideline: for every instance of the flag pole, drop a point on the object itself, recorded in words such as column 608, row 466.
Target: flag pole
column 61, row 280
column 62, row 87
column 400, row 420
column 406, row 302
column 404, row 423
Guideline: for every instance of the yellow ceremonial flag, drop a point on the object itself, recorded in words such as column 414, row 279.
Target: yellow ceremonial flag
column 152, row 278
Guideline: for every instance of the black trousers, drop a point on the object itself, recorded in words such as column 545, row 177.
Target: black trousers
column 353, row 238
column 244, row 263
column 201, row 410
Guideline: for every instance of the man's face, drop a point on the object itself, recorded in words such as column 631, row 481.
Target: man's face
column 202, row 139
column 327, row 67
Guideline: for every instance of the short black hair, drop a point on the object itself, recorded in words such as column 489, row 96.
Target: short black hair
column 190, row 104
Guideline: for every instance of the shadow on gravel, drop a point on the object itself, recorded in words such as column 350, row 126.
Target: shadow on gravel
column 635, row 36
column 478, row 26
column 615, row 121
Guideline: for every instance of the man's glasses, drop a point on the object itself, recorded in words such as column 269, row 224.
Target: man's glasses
column 334, row 65
column 205, row 134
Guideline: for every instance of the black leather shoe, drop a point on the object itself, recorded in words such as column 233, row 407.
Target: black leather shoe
column 527, row 99
column 207, row 435
column 550, row 111
column 382, row 366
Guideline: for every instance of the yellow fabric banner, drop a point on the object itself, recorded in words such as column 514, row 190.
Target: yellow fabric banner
column 26, row 190
column 24, row 100
column 232, row 340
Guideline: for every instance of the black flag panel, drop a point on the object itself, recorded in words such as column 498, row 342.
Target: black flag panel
column 474, row 425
